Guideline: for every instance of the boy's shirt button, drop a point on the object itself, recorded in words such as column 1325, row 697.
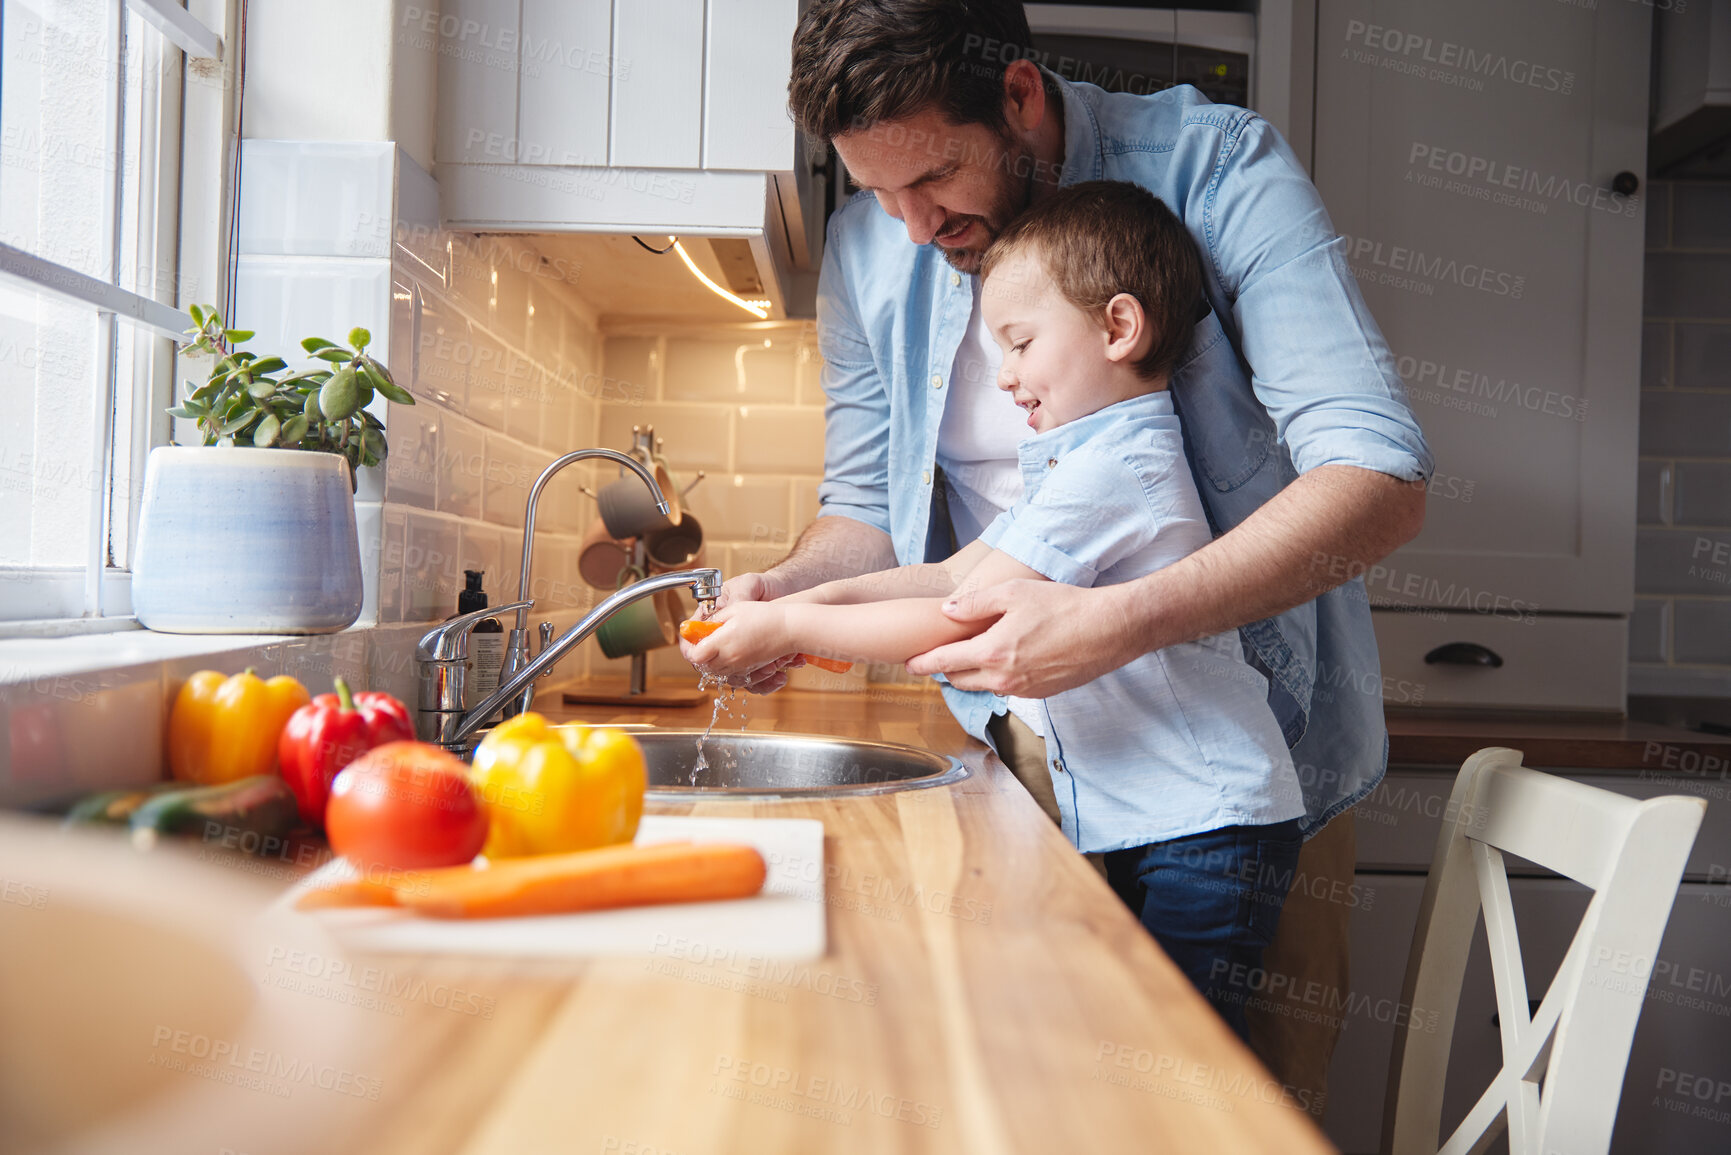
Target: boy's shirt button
column 926, row 477
column 1051, row 463
column 937, row 380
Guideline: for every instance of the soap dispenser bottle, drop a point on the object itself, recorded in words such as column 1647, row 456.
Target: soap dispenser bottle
column 486, row 643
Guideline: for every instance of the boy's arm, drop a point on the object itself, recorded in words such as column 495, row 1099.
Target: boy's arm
column 932, row 580
column 890, row 630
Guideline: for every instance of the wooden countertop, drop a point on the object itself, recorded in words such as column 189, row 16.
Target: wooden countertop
column 983, row 992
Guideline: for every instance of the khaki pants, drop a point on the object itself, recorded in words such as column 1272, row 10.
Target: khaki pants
column 1309, row 947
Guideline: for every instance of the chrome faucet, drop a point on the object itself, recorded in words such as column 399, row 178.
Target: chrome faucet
column 447, row 724
column 517, row 642
column 445, row 717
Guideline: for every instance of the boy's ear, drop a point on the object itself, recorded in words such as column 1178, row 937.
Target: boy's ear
column 1128, row 334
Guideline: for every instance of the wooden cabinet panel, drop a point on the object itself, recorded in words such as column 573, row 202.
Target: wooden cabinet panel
column 1467, row 153
column 657, row 84
column 565, row 81
column 750, row 54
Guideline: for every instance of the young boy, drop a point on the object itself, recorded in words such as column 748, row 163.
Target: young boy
column 1172, row 767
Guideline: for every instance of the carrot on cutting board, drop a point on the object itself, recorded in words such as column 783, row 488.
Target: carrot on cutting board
column 613, row 876
column 696, row 629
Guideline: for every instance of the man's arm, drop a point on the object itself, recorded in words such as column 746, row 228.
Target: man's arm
column 1326, row 527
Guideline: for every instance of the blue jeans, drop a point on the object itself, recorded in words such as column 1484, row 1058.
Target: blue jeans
column 1212, row 901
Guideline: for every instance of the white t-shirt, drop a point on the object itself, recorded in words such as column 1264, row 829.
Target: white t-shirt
column 977, row 451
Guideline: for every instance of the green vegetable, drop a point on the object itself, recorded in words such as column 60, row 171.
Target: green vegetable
column 241, row 814
column 113, row 807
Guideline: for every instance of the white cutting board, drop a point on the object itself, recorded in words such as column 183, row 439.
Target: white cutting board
column 784, row 920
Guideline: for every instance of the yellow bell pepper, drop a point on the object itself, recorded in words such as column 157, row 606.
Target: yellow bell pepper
column 550, row 789
column 223, row 728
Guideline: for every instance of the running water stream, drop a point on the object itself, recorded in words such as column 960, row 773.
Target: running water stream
column 724, row 697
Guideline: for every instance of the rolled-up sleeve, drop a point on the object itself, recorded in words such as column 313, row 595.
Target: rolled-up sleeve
column 1318, row 361
column 1087, row 516
column 857, row 407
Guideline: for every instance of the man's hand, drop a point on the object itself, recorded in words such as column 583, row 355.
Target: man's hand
column 1325, row 528
column 1048, row 637
column 764, row 678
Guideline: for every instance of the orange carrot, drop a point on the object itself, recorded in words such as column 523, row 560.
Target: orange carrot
column 696, row 629
column 354, row 892
column 612, row 876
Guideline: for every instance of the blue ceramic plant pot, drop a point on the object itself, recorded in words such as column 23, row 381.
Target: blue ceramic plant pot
column 246, row 541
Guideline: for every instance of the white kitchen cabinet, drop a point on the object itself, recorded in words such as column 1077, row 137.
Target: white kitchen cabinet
column 630, row 84
column 1468, row 153
column 658, row 117
column 565, row 81
column 745, row 73
column 657, row 84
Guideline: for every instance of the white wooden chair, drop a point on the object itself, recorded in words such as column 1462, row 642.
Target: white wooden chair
column 1563, row 1066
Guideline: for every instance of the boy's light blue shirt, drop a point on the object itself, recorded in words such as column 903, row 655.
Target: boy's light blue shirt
column 1287, row 373
column 1179, row 741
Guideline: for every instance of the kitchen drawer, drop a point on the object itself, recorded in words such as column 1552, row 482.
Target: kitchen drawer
column 1560, row 663
column 1681, row 1039
column 1398, row 822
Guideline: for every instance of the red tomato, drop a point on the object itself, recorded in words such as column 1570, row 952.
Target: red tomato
column 406, row 804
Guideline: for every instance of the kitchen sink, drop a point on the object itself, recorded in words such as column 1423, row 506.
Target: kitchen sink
column 756, row 764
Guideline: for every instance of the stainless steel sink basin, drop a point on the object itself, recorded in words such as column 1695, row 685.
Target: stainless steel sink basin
column 755, row 764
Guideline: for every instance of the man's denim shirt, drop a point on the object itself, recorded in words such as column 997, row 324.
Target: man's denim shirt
column 1287, row 372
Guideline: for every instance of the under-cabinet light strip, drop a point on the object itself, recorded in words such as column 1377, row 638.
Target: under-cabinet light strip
column 758, row 309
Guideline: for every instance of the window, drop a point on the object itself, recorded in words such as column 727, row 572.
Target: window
column 113, row 121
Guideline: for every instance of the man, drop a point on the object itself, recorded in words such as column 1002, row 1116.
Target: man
column 1310, row 464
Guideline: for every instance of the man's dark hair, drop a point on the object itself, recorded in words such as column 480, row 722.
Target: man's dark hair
column 1104, row 237
column 858, row 63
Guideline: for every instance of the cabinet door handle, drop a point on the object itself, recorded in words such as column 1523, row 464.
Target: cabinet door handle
column 1625, row 183
column 1464, row 654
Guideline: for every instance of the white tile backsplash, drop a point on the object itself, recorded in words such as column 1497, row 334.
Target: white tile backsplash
column 285, row 299
column 778, row 439
column 316, row 198
column 750, row 367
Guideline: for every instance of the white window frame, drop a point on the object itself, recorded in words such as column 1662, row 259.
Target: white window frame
column 189, row 224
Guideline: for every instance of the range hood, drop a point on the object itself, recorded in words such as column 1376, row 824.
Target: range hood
column 764, row 230
column 1691, row 82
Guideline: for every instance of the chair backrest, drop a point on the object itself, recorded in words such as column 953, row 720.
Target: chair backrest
column 1631, row 854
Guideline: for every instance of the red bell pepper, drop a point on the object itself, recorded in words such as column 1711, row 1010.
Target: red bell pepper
column 330, row 732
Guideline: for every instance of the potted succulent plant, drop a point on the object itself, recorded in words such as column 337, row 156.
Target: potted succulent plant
column 254, row 532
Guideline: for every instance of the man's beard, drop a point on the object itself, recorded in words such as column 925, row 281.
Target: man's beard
column 1013, row 194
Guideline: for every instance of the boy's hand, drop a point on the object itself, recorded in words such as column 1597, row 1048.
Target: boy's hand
column 754, row 636
column 766, row 678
